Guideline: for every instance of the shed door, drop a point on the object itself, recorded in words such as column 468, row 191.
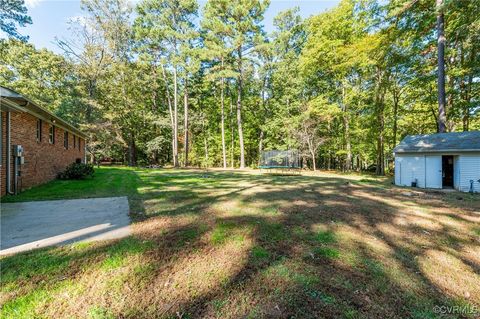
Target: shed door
column 433, row 171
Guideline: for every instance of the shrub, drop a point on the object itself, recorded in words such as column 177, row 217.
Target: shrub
column 77, row 171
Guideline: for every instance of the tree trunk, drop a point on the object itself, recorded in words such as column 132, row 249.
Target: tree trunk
column 185, row 105
column 380, row 170
column 450, row 101
column 239, row 110
column 380, row 110
column 466, row 107
column 329, row 155
column 222, row 98
column 232, row 133
column 314, row 161
column 346, row 131
column 442, row 118
column 466, row 88
column 91, row 96
column 132, row 156
column 395, row 118
column 155, row 87
column 175, row 117
column 205, row 142
column 260, row 147
column 170, row 111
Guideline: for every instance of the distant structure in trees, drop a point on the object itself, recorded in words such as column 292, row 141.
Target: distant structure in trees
column 284, row 160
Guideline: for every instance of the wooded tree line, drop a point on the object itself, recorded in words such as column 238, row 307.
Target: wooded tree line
column 168, row 81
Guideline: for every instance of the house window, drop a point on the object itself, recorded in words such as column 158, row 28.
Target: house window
column 74, row 141
column 51, row 134
column 79, row 140
column 39, row 130
column 65, row 140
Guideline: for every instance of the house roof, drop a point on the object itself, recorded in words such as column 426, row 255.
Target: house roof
column 15, row 102
column 440, row 142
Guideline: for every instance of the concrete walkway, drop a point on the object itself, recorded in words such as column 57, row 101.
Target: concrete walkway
column 31, row 225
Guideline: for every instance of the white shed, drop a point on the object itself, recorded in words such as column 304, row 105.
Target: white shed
column 443, row 160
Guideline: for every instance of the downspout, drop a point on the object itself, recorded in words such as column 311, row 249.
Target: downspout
column 8, row 155
column 15, row 175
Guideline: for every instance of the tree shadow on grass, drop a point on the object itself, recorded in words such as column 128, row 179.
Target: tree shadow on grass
column 372, row 291
column 304, row 248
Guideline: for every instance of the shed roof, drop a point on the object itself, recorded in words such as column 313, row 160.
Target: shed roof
column 440, row 142
column 13, row 101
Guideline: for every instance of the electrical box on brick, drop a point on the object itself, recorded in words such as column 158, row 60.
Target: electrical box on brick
column 17, row 150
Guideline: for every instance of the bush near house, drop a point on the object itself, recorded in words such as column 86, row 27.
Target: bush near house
column 77, row 171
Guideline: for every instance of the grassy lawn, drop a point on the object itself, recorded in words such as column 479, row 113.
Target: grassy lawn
column 108, row 181
column 246, row 245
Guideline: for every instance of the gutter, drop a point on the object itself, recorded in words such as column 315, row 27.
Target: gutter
column 436, row 151
column 8, row 155
column 32, row 108
column 7, row 105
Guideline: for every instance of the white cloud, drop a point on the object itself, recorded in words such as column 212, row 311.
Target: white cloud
column 32, row 3
column 79, row 19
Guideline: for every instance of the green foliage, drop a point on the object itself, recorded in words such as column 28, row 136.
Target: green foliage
column 13, row 12
column 77, row 171
column 343, row 87
column 41, row 75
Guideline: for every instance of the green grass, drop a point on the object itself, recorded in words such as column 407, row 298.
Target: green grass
column 259, row 255
column 325, row 237
column 24, row 306
column 106, row 182
column 476, row 231
column 326, row 252
column 116, row 255
column 42, row 262
column 236, row 244
column 222, row 232
column 272, row 232
column 98, row 312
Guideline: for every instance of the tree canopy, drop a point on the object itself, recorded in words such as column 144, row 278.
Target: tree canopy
column 159, row 82
column 13, row 14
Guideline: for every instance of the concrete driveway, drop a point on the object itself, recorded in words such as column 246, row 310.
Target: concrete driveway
column 30, row 225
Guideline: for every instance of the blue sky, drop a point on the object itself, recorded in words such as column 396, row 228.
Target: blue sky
column 50, row 17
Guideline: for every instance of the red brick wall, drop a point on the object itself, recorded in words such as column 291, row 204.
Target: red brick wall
column 4, row 157
column 43, row 161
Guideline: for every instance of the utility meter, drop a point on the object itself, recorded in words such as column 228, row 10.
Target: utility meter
column 17, row 150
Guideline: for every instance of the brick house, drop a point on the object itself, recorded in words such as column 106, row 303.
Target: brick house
column 47, row 143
